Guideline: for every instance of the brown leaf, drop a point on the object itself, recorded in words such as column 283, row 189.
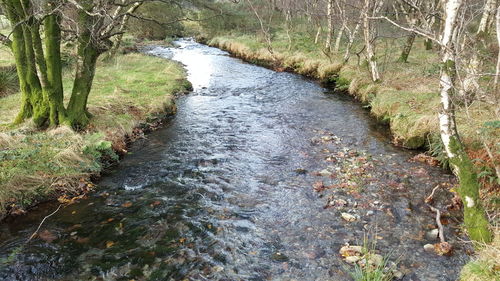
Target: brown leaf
column 155, row 203
column 47, row 236
column 127, row 204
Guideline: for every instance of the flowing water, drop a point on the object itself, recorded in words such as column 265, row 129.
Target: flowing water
column 225, row 191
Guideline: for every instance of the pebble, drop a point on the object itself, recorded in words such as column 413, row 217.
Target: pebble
column 325, row 173
column 348, row 217
column 433, row 234
column 370, row 213
column 429, row 247
column 397, row 274
column 351, row 250
column 352, row 259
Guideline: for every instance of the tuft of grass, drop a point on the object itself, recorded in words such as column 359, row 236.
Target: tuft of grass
column 9, row 83
column 486, row 265
column 382, row 271
column 127, row 91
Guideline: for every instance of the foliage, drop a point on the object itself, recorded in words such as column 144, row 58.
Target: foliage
column 224, row 18
column 157, row 21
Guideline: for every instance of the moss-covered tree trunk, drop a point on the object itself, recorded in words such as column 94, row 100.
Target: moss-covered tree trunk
column 33, row 104
column 87, row 56
column 39, row 69
column 474, row 216
column 52, row 42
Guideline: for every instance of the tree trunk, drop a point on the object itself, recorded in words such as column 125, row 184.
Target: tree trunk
column 329, row 34
column 33, row 104
column 123, row 24
column 407, row 47
column 370, row 48
column 54, row 69
column 318, row 33
column 352, row 36
column 85, row 69
column 339, row 38
column 474, row 215
column 428, row 44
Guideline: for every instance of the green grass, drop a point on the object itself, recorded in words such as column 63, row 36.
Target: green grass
column 39, row 164
column 6, row 56
column 372, row 266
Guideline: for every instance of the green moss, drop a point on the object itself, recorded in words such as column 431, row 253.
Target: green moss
column 474, row 215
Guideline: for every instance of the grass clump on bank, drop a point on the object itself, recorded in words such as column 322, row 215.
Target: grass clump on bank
column 129, row 90
column 486, row 265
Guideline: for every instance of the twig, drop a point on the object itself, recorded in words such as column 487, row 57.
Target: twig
column 40, row 225
column 431, row 197
column 438, row 221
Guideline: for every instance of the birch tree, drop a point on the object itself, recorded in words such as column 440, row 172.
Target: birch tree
column 329, row 34
column 474, row 215
column 371, row 9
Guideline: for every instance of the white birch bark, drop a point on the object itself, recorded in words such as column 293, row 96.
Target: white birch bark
column 368, row 36
column 339, row 39
column 328, row 44
column 474, row 216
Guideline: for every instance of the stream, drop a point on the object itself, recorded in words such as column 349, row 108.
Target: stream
column 247, row 182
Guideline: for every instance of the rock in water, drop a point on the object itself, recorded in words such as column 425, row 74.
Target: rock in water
column 429, row 248
column 433, row 234
column 348, row 217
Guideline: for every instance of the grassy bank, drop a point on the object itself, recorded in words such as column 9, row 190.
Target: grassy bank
column 131, row 90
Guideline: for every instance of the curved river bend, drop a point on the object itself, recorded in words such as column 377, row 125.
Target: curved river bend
column 225, row 191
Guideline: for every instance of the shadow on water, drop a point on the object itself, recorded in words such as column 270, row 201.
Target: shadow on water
column 224, row 191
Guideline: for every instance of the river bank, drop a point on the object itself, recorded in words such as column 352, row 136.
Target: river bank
column 131, row 94
column 406, row 100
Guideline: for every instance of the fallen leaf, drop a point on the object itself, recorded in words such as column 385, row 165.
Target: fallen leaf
column 47, row 236
column 109, row 244
column 127, row 204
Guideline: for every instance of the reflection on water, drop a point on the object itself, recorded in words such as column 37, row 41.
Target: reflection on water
column 224, row 192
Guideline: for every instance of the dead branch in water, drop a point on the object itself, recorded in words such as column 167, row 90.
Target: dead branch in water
column 41, row 223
